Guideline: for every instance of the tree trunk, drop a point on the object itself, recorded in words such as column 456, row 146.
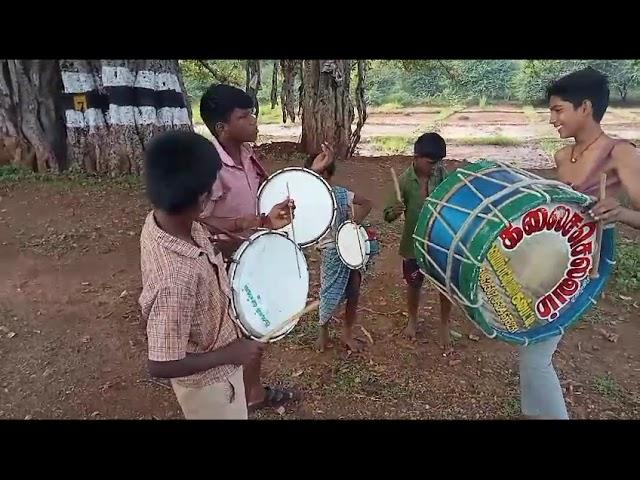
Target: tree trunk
column 287, row 95
column 253, row 82
column 274, row 86
column 361, row 106
column 113, row 108
column 32, row 132
column 327, row 111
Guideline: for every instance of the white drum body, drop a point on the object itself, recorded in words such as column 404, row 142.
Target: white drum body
column 314, row 199
column 352, row 243
column 266, row 287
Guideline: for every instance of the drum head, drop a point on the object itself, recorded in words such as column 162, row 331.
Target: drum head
column 267, row 289
column 352, row 245
column 314, row 198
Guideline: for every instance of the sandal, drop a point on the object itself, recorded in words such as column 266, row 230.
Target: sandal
column 274, row 398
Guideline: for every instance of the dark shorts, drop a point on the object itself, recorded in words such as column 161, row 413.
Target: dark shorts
column 411, row 272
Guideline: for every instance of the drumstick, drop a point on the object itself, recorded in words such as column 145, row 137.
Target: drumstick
column 596, row 257
column 397, row 186
column 293, row 319
column 353, row 217
column 293, row 232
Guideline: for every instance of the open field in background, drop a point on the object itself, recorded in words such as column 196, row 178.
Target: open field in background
column 518, row 135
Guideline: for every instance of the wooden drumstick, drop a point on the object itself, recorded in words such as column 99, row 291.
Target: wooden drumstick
column 396, row 186
column 596, row 256
column 353, row 217
column 292, row 320
column 293, row 232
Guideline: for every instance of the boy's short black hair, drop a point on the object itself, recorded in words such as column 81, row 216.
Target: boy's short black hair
column 586, row 84
column 179, row 166
column 430, row 145
column 330, row 170
column 219, row 101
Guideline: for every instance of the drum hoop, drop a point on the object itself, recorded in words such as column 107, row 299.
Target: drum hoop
column 232, row 268
column 366, row 259
column 332, row 195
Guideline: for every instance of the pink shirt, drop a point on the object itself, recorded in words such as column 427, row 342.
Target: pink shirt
column 235, row 192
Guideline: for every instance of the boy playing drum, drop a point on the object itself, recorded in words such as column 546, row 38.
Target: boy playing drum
column 416, row 183
column 578, row 102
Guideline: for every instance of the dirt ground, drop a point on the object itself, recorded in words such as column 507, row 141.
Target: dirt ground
column 72, row 344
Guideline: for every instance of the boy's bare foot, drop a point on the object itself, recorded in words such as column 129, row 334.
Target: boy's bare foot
column 323, row 339
column 351, row 342
column 410, row 330
column 445, row 339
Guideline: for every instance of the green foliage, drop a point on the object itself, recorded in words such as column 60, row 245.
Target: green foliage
column 198, row 78
column 534, row 76
column 393, row 144
column 627, row 271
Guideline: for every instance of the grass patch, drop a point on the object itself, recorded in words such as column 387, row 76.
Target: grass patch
column 595, row 316
column 510, row 408
column 530, row 113
column 627, row 271
column 389, row 107
column 393, row 144
column 11, row 174
column 606, row 386
column 443, row 115
column 500, row 140
column 550, row 145
column 269, row 115
column 305, row 332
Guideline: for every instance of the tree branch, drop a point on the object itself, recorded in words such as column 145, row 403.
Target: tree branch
column 217, row 77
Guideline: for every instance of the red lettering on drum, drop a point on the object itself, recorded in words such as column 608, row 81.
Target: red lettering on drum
column 579, row 237
column 511, row 237
column 572, row 223
column 535, row 221
column 558, row 218
column 546, row 306
column 582, row 249
column 582, row 234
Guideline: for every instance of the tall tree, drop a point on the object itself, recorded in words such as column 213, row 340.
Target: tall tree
column 327, row 111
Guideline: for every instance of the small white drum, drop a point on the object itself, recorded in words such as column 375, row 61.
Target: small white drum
column 314, row 199
column 352, row 244
column 266, row 287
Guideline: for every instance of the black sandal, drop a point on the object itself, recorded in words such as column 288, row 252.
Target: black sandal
column 274, row 398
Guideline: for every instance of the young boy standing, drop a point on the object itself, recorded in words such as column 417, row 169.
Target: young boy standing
column 186, row 295
column 416, row 183
column 578, row 102
column 337, row 281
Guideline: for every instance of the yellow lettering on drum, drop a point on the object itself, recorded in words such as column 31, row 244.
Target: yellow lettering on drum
column 523, row 304
column 496, row 302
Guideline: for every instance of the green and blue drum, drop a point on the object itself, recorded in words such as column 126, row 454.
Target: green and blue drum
column 515, row 251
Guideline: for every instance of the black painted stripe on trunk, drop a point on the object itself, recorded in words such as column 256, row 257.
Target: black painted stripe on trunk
column 123, row 97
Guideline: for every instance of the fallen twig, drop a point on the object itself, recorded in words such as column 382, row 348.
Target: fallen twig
column 365, row 309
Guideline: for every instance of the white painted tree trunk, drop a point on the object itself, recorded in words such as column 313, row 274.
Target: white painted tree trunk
column 87, row 115
column 113, row 108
